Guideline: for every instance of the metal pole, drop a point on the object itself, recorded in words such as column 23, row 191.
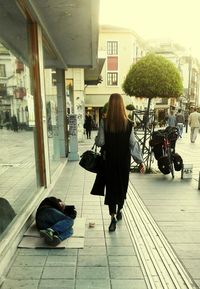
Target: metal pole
column 189, row 79
column 199, row 182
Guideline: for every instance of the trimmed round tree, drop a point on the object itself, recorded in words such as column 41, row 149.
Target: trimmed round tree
column 153, row 76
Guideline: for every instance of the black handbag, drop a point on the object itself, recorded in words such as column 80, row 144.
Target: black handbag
column 90, row 160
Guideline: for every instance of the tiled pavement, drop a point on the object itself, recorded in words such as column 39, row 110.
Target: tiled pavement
column 109, row 260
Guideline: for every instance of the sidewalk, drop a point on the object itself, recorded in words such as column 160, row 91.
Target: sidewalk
column 109, row 260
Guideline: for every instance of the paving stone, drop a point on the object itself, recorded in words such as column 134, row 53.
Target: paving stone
column 93, row 284
column 197, row 281
column 126, row 273
column 61, row 261
column 56, row 283
column 118, row 241
column 187, row 251
column 64, row 272
column 63, row 252
column 94, row 242
column 26, row 273
column 128, row 284
column 92, row 273
column 99, row 251
column 33, row 252
column 96, row 261
column 183, row 237
column 29, row 261
column 192, row 265
column 120, row 251
column 120, row 261
column 92, row 233
column 122, row 234
column 20, row 284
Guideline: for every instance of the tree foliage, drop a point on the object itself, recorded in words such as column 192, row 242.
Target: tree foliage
column 130, row 107
column 153, row 76
column 104, row 108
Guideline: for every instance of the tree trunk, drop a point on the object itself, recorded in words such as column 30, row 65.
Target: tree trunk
column 145, row 125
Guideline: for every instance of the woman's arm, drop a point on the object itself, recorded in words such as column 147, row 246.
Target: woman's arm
column 135, row 148
column 100, row 138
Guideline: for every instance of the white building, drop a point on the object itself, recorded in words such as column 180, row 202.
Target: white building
column 121, row 47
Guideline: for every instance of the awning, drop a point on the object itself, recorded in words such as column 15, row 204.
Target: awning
column 70, row 30
column 161, row 106
column 92, row 76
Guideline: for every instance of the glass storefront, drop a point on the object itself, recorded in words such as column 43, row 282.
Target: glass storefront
column 30, row 137
column 18, row 180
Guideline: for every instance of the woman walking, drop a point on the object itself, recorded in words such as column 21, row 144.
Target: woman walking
column 117, row 139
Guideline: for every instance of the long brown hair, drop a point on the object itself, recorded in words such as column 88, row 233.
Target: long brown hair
column 116, row 116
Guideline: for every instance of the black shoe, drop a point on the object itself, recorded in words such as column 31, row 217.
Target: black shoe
column 112, row 226
column 119, row 216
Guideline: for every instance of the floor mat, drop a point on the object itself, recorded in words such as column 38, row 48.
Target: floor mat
column 32, row 239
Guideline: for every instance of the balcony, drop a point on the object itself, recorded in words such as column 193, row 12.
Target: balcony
column 19, row 93
column 19, row 66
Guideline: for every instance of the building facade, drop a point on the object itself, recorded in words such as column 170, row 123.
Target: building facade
column 35, row 100
column 189, row 68
column 121, row 48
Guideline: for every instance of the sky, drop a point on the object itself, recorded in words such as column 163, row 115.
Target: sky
column 177, row 20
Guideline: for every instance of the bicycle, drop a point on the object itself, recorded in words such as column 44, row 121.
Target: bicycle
column 163, row 145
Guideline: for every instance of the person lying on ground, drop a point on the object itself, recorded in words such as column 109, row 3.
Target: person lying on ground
column 54, row 219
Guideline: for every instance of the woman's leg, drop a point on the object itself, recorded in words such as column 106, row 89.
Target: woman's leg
column 112, row 209
column 112, row 212
column 119, row 213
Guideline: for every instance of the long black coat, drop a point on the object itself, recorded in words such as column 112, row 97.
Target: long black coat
column 115, row 170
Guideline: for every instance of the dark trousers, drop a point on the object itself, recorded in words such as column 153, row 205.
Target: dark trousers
column 88, row 133
column 57, row 221
column 114, row 208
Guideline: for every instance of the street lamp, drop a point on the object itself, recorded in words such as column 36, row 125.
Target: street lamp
column 189, row 80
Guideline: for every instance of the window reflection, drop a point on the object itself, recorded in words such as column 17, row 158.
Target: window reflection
column 18, row 182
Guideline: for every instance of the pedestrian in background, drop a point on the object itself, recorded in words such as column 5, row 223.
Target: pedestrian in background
column 186, row 115
column 14, row 123
column 117, row 141
column 194, row 123
column 180, row 122
column 88, row 125
column 171, row 119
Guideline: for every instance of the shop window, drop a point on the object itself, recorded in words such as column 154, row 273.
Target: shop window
column 17, row 138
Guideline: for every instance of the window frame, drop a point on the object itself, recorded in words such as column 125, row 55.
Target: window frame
column 112, row 52
column 112, row 48
column 2, row 69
